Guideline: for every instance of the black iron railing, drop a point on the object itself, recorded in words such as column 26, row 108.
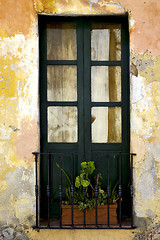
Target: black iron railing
column 50, row 189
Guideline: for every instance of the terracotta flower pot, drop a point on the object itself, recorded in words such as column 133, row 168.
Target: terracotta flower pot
column 78, row 215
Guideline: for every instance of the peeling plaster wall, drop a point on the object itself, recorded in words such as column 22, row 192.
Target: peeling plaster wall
column 19, row 131
column 19, row 110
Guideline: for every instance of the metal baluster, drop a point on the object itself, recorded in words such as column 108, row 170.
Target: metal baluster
column 40, row 188
column 96, row 195
column 131, row 188
column 49, row 188
column 84, row 196
column 108, row 185
column 72, row 189
column 120, row 189
column 36, row 186
column 96, row 191
column 60, row 190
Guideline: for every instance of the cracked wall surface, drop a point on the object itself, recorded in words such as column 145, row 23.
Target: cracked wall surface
column 19, row 110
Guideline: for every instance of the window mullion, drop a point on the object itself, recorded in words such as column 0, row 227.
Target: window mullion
column 80, row 86
column 125, row 88
column 87, row 85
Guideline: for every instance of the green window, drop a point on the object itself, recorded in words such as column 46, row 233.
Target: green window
column 84, row 87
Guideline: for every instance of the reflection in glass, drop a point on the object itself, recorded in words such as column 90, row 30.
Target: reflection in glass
column 105, row 84
column 107, row 125
column 105, row 42
column 61, row 42
column 62, row 124
column 61, row 83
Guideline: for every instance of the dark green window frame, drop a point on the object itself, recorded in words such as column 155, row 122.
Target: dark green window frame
column 84, row 104
column 84, row 64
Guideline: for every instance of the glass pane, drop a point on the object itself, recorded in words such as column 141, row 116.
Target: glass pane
column 106, row 127
column 62, row 124
column 61, row 83
column 61, row 42
column 105, row 84
column 105, row 42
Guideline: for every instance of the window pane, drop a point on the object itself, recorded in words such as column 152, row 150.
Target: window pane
column 105, row 42
column 105, row 84
column 61, row 83
column 61, row 42
column 62, row 124
column 107, row 124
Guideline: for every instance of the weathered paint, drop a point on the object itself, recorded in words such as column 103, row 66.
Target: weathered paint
column 16, row 17
column 18, row 104
column 19, row 111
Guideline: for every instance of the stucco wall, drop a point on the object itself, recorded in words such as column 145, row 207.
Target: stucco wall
column 19, row 110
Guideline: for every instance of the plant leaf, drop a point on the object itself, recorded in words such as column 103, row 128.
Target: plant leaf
column 69, row 181
column 77, row 182
column 85, row 183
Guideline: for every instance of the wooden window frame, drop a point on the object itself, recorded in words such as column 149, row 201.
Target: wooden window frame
column 84, row 65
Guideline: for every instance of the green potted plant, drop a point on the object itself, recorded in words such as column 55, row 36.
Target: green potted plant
column 85, row 199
